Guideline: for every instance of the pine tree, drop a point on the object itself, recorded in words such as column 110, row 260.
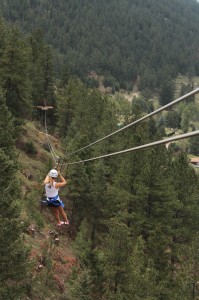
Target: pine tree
column 42, row 72
column 13, row 253
column 166, row 93
column 14, row 73
column 172, row 119
column 186, row 117
column 187, row 273
column 37, row 44
column 83, row 280
column 129, row 273
column 185, row 184
column 194, row 145
column 144, row 280
column 117, row 248
column 65, row 107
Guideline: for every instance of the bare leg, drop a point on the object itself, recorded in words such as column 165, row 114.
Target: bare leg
column 62, row 213
column 56, row 214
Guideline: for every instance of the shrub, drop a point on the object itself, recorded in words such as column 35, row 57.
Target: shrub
column 30, row 148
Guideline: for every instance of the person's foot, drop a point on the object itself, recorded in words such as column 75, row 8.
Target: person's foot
column 66, row 223
column 60, row 223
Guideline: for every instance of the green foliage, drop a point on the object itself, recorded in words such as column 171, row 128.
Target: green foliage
column 6, row 119
column 194, row 145
column 117, row 247
column 141, row 208
column 109, row 81
column 37, row 45
column 87, row 279
column 139, row 104
column 33, row 211
column 30, row 147
column 145, row 283
column 185, row 89
column 128, row 271
column 174, row 147
column 43, row 284
column 172, row 119
column 117, row 41
column 14, row 73
column 122, row 107
column 76, row 105
column 82, row 244
column 91, row 82
column 185, row 183
column 187, row 273
column 13, row 253
column 80, row 286
column 166, row 93
column 42, row 72
column 186, row 118
column 189, row 114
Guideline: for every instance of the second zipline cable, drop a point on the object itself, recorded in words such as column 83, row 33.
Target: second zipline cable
column 139, row 120
column 178, row 137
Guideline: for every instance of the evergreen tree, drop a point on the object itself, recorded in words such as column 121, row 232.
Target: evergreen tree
column 65, row 105
column 172, row 119
column 144, row 279
column 166, row 93
column 81, row 286
column 42, row 72
column 186, row 117
column 14, row 73
column 185, row 89
column 13, row 253
column 87, row 278
column 185, row 184
column 117, row 247
column 194, row 145
column 187, row 273
column 128, row 271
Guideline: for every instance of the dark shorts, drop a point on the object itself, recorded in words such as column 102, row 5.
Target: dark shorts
column 56, row 203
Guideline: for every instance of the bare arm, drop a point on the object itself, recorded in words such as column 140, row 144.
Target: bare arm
column 46, row 180
column 62, row 183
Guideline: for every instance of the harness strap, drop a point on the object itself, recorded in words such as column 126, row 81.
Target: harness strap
column 52, row 199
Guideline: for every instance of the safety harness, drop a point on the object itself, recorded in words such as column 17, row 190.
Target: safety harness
column 54, row 200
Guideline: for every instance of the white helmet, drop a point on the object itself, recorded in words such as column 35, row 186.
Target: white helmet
column 53, row 173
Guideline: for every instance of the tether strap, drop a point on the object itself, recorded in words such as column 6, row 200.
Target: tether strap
column 52, row 199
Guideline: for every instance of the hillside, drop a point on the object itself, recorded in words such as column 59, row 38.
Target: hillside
column 124, row 40
column 51, row 256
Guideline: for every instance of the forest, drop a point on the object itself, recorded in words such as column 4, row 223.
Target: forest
column 134, row 218
column 144, row 42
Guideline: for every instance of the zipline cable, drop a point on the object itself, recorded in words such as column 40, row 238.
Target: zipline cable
column 48, row 141
column 52, row 151
column 178, row 137
column 139, row 120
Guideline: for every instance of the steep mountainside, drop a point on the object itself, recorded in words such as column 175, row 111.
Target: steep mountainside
column 122, row 39
column 50, row 255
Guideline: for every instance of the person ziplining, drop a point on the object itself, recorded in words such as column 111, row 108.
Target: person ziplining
column 51, row 185
column 52, row 194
